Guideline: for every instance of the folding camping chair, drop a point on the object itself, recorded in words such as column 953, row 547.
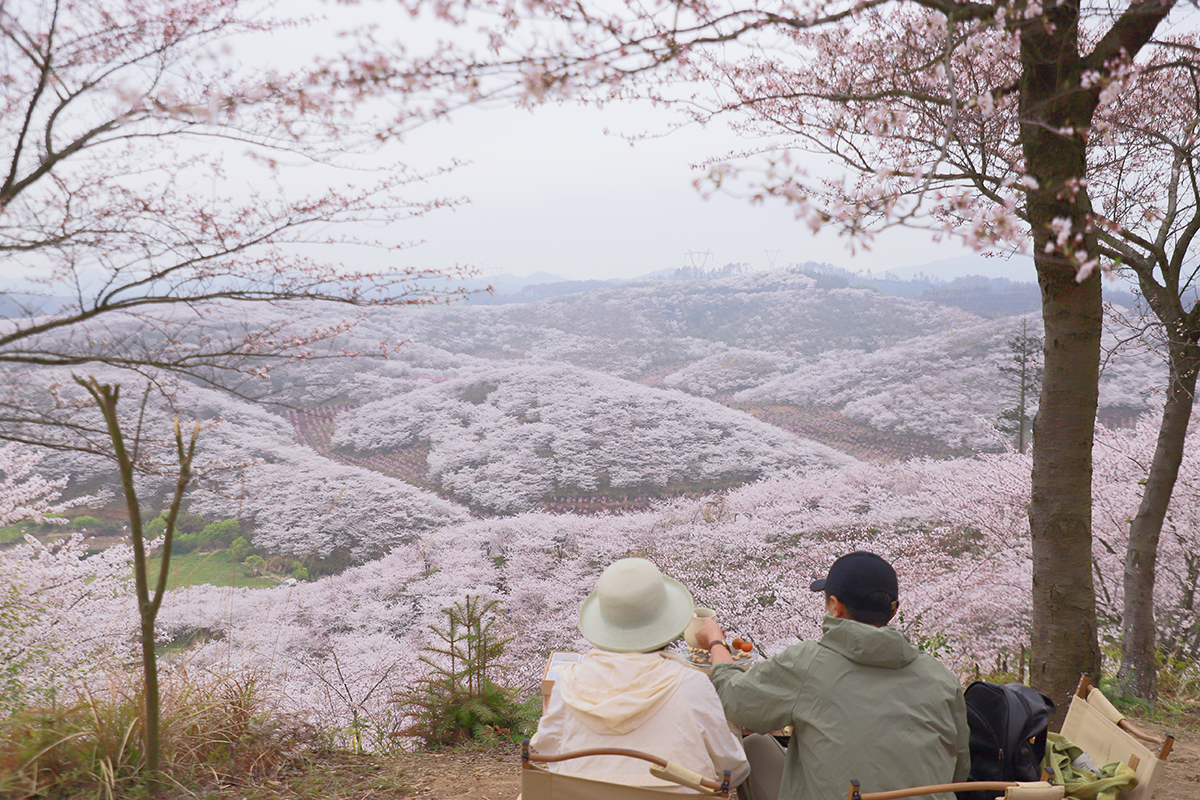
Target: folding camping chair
column 1093, row 724
column 539, row 783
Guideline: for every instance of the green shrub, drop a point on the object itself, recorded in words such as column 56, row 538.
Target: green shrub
column 300, row 573
column 11, row 534
column 156, row 528
column 94, row 525
column 220, row 535
column 936, row 644
column 184, row 543
column 458, row 700
column 1179, row 678
column 239, row 549
column 255, row 565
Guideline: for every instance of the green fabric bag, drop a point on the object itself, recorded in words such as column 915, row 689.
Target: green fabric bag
column 1081, row 783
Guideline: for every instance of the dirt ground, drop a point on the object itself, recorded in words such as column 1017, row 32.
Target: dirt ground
column 463, row 775
column 495, row 775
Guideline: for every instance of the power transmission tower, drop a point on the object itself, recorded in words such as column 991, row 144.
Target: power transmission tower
column 771, row 256
column 703, row 256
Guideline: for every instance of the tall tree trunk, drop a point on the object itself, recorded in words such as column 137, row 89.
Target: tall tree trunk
column 1139, row 669
column 1054, row 113
column 1060, row 511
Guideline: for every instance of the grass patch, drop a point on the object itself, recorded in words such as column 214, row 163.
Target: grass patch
column 217, row 569
column 215, row 731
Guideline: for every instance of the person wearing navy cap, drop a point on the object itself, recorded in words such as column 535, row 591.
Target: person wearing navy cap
column 863, row 702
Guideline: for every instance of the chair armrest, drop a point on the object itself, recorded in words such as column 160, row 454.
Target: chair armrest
column 681, row 775
column 1032, row 790
column 659, row 767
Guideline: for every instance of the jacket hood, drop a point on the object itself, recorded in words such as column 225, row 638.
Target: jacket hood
column 615, row 693
column 867, row 645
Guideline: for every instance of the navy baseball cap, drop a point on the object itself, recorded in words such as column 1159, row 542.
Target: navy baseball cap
column 855, row 575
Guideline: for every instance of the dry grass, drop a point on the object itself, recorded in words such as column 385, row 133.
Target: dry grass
column 215, row 730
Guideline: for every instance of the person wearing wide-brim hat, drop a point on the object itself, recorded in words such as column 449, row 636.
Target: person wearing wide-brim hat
column 631, row 693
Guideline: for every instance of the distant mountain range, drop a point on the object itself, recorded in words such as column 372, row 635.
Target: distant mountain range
column 947, row 282
column 983, row 286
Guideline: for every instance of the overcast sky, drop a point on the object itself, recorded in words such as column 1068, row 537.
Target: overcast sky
column 551, row 192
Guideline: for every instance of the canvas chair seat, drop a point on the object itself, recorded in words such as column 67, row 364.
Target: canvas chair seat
column 1095, row 725
column 539, row 783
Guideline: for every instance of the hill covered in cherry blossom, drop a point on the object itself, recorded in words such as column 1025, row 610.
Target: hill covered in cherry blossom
column 606, row 401
column 879, row 376
column 511, row 437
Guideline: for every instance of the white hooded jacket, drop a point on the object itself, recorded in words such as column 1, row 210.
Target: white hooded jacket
column 653, row 702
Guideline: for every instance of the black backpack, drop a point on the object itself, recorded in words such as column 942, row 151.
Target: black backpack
column 1008, row 733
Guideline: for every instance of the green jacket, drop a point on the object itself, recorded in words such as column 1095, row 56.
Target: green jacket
column 864, row 703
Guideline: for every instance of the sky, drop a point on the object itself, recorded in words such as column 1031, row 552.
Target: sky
column 550, row 191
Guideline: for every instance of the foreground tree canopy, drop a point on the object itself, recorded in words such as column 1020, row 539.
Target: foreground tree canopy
column 154, row 177
column 979, row 119
column 153, row 171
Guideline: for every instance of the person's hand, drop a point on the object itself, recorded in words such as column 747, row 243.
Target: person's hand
column 709, row 633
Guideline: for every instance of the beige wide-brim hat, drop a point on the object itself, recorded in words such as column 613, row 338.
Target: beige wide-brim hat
column 635, row 608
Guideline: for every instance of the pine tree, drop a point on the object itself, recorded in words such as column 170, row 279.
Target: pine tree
column 1023, row 371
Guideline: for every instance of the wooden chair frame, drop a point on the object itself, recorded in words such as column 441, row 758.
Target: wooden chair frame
column 1163, row 743
column 1010, row 789
column 659, row 767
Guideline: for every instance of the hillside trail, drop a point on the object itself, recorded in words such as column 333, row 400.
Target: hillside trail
column 495, row 774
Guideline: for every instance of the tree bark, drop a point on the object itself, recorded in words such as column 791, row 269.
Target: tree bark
column 1054, row 113
column 1064, row 608
column 1138, row 674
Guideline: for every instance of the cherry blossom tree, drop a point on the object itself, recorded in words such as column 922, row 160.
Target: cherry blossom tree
column 66, row 617
column 975, row 115
column 1148, row 160
column 1125, row 460
column 151, row 186
column 27, row 647
column 155, row 174
column 26, row 495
